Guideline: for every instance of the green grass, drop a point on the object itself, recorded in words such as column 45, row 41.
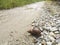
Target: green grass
column 7, row 4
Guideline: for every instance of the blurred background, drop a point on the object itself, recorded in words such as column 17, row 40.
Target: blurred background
column 7, row 4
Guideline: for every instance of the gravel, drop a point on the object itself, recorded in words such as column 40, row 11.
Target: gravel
column 49, row 23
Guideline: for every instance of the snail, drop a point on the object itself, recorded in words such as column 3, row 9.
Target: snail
column 35, row 32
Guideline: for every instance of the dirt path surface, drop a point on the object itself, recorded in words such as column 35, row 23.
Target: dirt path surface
column 15, row 22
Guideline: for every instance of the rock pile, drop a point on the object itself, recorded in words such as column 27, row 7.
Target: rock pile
column 49, row 23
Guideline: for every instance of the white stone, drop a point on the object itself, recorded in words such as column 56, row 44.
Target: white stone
column 33, row 24
column 57, row 32
column 51, row 38
column 41, row 28
column 58, row 21
column 57, row 36
column 49, row 43
column 58, row 40
column 52, row 34
column 53, row 28
column 54, row 19
column 40, row 44
column 45, row 32
column 46, row 38
column 48, row 28
column 43, row 42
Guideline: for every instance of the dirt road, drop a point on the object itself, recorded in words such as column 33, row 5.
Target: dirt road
column 17, row 21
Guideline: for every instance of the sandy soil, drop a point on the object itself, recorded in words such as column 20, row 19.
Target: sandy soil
column 14, row 23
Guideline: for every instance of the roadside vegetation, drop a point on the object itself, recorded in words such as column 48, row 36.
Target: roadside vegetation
column 7, row 4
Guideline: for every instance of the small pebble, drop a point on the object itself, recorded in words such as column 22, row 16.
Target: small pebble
column 49, row 43
column 51, row 38
column 43, row 42
column 52, row 34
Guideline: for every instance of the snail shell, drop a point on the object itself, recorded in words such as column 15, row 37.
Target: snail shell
column 35, row 32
